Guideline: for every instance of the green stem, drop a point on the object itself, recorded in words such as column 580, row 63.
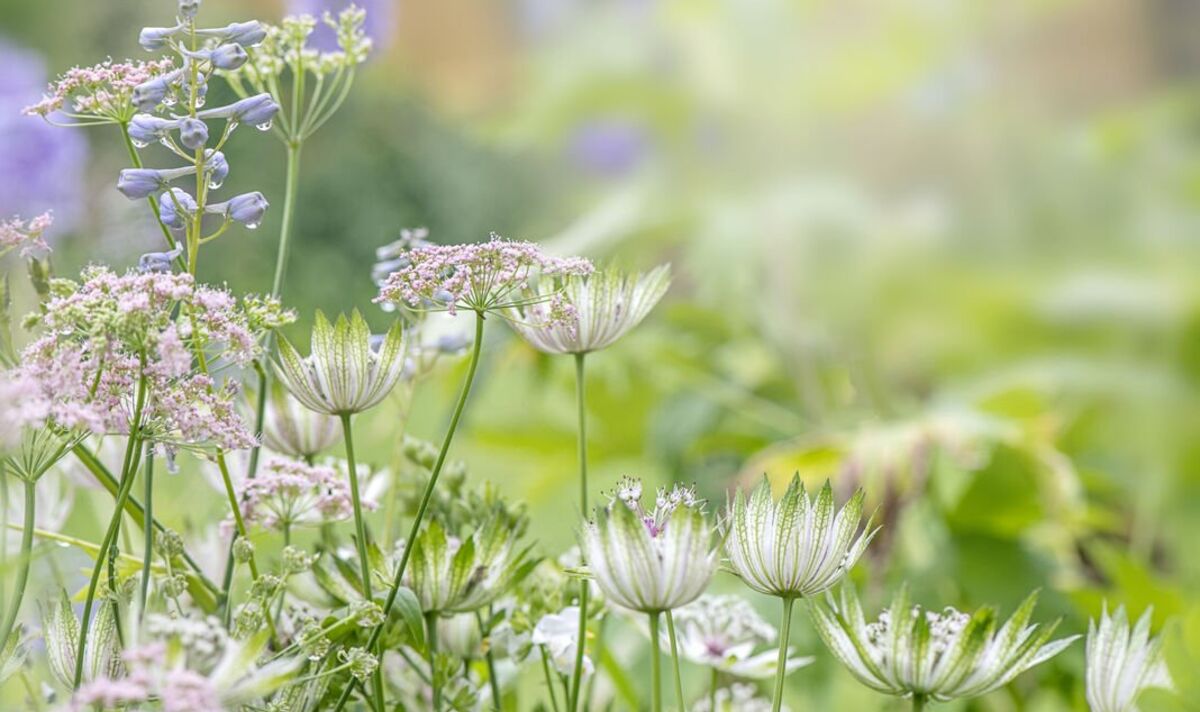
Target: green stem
column 581, row 405
column 781, row 664
column 712, row 690
column 18, row 593
column 493, row 681
column 431, row 637
column 918, row 703
column 433, row 478
column 675, row 661
column 549, row 678
column 289, row 207
column 113, row 524
column 655, row 672
column 148, row 547
column 360, row 527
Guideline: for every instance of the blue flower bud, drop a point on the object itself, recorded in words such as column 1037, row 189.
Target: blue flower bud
column 151, row 93
column 193, row 133
column 135, row 183
column 158, row 261
column 247, row 34
column 228, row 56
column 176, row 207
column 155, row 38
column 188, row 8
column 145, row 129
column 217, row 166
column 258, row 110
column 247, row 208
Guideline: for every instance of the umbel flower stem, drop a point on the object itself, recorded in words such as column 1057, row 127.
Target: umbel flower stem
column 584, row 585
column 675, row 660
column 431, row 643
column 781, row 666
column 433, row 478
column 918, row 703
column 655, row 670
column 360, row 527
column 148, row 547
column 18, row 593
column 289, row 207
column 127, row 477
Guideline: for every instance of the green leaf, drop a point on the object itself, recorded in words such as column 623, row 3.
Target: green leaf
column 410, row 610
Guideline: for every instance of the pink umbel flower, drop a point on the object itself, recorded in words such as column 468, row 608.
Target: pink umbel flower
column 100, row 93
column 485, row 276
column 291, row 493
column 25, row 235
column 101, row 336
column 22, row 405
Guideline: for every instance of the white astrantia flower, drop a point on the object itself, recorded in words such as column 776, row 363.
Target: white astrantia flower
column 798, row 546
column 1122, row 662
column 449, row 575
column 459, row 635
column 651, row 561
column 292, row 429
column 739, row 697
column 606, row 305
column 721, row 632
column 343, row 375
column 930, row 656
column 559, row 632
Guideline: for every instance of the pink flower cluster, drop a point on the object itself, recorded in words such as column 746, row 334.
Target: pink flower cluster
column 101, row 337
column 25, row 235
column 22, row 405
column 484, row 276
column 178, row 689
column 289, row 492
column 104, row 90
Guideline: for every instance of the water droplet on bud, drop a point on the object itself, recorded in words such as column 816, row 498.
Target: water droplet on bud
column 199, row 102
column 168, row 100
column 252, row 226
column 264, row 126
column 216, row 184
column 139, row 144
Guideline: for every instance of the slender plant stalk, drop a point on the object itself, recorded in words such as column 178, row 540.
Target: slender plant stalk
column 289, row 208
column 781, row 664
column 712, row 690
column 10, row 618
column 431, row 644
column 4, row 522
column 918, row 703
column 675, row 660
column 549, row 678
column 655, row 670
column 113, row 524
column 148, row 547
column 581, row 405
column 493, row 682
column 360, row 527
column 433, row 478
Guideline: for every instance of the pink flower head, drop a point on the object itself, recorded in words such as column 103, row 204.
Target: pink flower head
column 100, row 92
column 485, row 276
column 289, row 492
column 25, row 235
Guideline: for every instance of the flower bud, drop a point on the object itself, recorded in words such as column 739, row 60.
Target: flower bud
column 243, row 550
column 217, row 167
column 159, row 261
column 176, row 207
column 228, row 56
column 170, row 544
column 247, row 34
column 362, row 664
column 247, row 208
column 295, row 560
column 258, row 110
column 135, row 183
column 193, row 133
column 155, row 38
column 188, row 8
column 175, row 585
column 151, row 92
column 145, row 129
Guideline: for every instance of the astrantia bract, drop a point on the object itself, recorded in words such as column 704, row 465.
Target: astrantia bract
column 1122, row 662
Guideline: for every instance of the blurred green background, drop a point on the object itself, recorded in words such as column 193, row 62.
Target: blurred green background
column 945, row 251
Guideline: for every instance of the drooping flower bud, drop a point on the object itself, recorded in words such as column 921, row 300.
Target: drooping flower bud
column 247, row 34
column 159, row 261
column 228, row 56
column 188, row 8
column 176, row 207
column 193, row 133
column 258, row 110
column 137, row 183
column 218, row 168
column 145, row 129
column 151, row 93
column 247, row 208
column 155, row 38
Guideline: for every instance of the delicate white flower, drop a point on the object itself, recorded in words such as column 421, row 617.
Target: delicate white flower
column 721, row 632
column 343, row 375
column 934, row 656
column 559, row 632
column 292, row 429
column 795, row 547
column 1122, row 662
column 453, row 576
column 651, row 561
column 739, row 697
column 459, row 635
column 606, row 305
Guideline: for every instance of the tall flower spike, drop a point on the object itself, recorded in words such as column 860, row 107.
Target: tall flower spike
column 343, row 375
column 796, row 547
column 605, row 306
column 931, row 656
column 651, row 561
column 1122, row 662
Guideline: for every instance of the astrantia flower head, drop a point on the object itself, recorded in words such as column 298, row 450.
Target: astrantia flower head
column 449, row 575
column 797, row 546
column 559, row 632
column 932, row 656
column 288, row 493
column 651, row 560
column 1122, row 662
column 25, row 235
column 605, row 306
column 721, row 632
column 482, row 277
column 343, row 374
column 294, row 430
column 103, row 93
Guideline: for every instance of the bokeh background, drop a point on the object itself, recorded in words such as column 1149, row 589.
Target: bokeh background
column 945, row 251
